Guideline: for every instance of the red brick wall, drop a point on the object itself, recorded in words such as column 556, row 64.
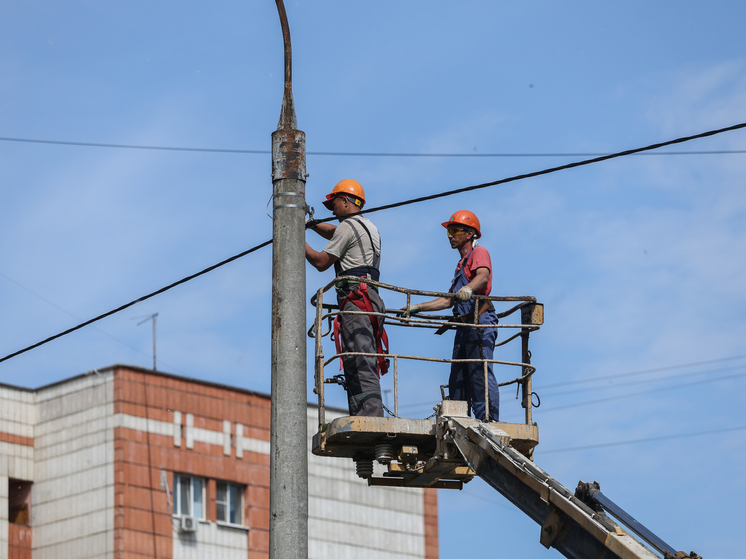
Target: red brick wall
column 19, row 541
column 16, row 439
column 143, row 526
column 431, row 523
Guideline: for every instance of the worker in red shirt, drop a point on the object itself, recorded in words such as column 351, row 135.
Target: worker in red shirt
column 473, row 275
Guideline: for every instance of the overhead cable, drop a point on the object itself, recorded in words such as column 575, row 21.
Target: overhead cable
column 647, row 440
column 643, row 372
column 379, row 208
column 549, row 387
column 352, row 153
column 644, row 381
column 633, row 394
column 141, row 299
column 78, row 318
column 551, row 169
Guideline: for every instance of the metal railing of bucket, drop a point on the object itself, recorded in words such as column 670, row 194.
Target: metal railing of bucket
column 531, row 312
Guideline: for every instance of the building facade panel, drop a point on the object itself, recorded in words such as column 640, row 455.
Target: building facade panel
column 86, row 547
column 347, row 518
column 223, row 542
column 128, row 463
column 86, row 393
column 58, row 532
column 74, row 489
column 74, row 485
column 17, row 415
column 93, row 502
column 57, row 426
column 82, row 438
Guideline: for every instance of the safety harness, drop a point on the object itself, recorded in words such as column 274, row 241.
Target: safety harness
column 359, row 297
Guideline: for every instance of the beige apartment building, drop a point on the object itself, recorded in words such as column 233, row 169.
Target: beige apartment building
column 127, row 463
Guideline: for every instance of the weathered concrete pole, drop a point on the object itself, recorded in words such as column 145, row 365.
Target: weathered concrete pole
column 288, row 521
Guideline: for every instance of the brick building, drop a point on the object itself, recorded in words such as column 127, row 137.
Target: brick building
column 126, row 463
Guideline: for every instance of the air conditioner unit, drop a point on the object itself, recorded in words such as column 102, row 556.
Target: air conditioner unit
column 188, row 524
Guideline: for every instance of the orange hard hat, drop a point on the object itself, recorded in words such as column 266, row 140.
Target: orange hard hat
column 346, row 187
column 464, row 217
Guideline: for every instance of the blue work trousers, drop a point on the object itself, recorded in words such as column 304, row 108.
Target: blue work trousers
column 467, row 379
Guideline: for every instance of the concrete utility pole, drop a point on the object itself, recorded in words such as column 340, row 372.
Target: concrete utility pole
column 288, row 507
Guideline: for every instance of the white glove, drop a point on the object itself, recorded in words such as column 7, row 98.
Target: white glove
column 464, row 294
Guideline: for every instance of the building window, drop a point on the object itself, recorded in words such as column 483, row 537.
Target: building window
column 189, row 493
column 19, row 502
column 228, row 502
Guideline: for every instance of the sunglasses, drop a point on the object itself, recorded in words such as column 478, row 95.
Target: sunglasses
column 453, row 231
column 355, row 201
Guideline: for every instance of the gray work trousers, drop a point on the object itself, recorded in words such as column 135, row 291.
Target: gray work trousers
column 361, row 373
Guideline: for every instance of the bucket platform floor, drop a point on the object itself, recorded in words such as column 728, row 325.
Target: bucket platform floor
column 356, row 436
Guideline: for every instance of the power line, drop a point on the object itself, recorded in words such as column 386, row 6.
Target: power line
column 349, row 153
column 642, row 372
column 650, row 439
column 131, row 303
column 553, row 169
column 78, row 318
column 385, row 207
column 631, row 394
column 542, row 388
column 615, row 386
column 133, row 146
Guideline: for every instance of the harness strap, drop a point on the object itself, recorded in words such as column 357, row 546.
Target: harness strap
column 363, row 272
column 376, row 253
column 360, row 298
column 337, row 337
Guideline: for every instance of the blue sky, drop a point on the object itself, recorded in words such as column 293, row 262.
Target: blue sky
column 639, row 261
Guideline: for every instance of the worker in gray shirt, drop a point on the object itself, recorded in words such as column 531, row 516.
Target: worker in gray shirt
column 354, row 249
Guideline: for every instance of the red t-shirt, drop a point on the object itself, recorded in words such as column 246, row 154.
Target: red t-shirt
column 479, row 258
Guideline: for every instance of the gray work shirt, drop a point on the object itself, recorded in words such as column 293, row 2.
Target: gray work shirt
column 351, row 244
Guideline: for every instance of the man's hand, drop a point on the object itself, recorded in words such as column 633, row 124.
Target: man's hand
column 413, row 310
column 464, row 294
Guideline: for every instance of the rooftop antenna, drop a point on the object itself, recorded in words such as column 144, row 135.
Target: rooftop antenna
column 146, row 318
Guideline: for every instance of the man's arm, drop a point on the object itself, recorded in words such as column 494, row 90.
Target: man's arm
column 435, row 305
column 320, row 260
column 325, row 229
column 480, row 279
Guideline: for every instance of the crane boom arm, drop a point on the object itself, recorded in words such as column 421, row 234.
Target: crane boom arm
column 450, row 451
column 567, row 523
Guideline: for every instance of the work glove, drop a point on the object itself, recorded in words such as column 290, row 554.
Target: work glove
column 311, row 223
column 413, row 310
column 464, row 294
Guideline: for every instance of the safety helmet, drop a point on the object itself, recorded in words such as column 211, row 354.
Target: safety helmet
column 346, row 187
column 464, row 217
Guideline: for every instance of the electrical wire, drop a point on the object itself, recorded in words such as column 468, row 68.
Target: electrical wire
column 350, row 153
column 643, row 372
column 141, row 299
column 547, row 171
column 174, row 369
column 376, row 209
column 616, row 386
column 632, row 394
column 133, row 146
column 543, row 389
column 647, row 440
